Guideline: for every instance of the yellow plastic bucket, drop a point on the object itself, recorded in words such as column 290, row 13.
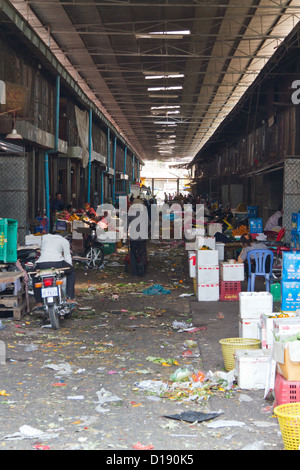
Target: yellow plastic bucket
column 230, row 345
column 288, row 416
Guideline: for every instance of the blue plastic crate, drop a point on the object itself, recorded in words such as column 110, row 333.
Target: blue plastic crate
column 256, row 225
column 252, row 211
column 296, row 221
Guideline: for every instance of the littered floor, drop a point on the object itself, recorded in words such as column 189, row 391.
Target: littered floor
column 108, row 378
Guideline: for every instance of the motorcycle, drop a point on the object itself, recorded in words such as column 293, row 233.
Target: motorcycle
column 27, row 257
column 93, row 249
column 55, row 306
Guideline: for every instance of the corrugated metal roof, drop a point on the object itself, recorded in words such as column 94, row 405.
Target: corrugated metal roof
column 196, row 75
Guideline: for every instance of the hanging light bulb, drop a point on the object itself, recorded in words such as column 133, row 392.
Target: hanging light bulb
column 14, row 133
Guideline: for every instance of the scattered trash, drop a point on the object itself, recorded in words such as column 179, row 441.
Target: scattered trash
column 181, row 374
column 140, row 446
column 244, row 397
column 156, row 289
column 225, row 424
column 76, row 397
column 257, row 445
column 194, row 416
column 63, row 368
column 28, row 432
column 186, row 295
column 105, row 397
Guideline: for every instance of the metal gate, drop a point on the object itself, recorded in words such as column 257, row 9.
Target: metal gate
column 291, row 192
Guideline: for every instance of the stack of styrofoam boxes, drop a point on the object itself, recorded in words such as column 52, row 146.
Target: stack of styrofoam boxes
column 207, row 271
column 290, row 282
column 252, row 366
column 231, row 275
column 251, row 306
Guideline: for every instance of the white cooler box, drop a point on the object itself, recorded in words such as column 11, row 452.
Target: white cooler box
column 208, row 292
column 250, row 328
column 254, row 304
column 207, row 258
column 207, row 274
column 232, row 272
column 252, row 368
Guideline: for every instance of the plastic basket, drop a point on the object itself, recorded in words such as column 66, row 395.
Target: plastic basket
column 229, row 290
column 230, row 345
column 288, row 416
column 8, row 240
column 286, row 391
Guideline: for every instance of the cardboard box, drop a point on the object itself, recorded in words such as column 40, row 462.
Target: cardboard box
column 232, row 272
column 207, row 258
column 290, row 293
column 291, row 266
column 287, row 356
column 254, row 304
column 207, row 274
column 207, row 292
column 252, row 367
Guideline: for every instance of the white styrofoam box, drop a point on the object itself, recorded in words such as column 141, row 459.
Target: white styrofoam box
column 207, row 258
column 208, row 292
column 252, row 368
column 213, row 228
column 210, row 242
column 254, row 304
column 33, row 240
column 267, row 336
column 193, row 238
column 221, row 249
column 250, row 328
column 207, row 274
column 192, row 263
column 286, row 326
column 232, row 272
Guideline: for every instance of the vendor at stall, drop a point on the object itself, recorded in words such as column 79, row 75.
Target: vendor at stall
column 275, row 221
column 248, row 244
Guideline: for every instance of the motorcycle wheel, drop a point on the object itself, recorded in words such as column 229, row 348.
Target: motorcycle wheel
column 54, row 317
column 95, row 257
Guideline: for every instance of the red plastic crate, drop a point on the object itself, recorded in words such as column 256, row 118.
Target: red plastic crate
column 229, row 290
column 286, row 391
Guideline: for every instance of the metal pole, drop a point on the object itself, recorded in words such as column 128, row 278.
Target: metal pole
column 90, row 158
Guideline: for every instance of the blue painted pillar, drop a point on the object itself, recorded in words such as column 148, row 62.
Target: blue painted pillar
column 114, row 184
column 90, row 158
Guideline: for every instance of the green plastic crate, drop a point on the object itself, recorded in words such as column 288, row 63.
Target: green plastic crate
column 109, row 248
column 8, row 240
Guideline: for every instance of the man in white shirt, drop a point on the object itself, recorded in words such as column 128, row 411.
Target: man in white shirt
column 55, row 253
